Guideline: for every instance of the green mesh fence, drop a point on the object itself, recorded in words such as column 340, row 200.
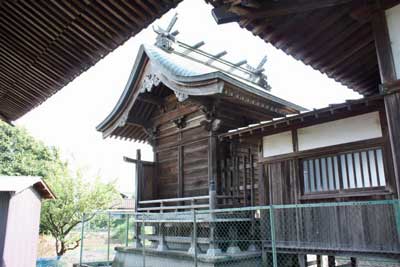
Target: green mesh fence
column 323, row 234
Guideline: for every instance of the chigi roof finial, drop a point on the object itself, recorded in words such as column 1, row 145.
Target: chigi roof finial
column 257, row 73
column 165, row 38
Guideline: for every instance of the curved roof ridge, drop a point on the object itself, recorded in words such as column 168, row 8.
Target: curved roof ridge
column 185, row 77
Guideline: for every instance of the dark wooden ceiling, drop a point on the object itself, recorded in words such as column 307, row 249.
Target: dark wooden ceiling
column 44, row 45
column 333, row 36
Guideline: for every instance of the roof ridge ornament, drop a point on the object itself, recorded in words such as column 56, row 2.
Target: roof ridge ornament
column 167, row 41
column 165, row 38
column 257, row 73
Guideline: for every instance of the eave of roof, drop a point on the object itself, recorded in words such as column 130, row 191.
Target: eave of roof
column 334, row 37
column 46, row 45
column 17, row 184
column 288, row 119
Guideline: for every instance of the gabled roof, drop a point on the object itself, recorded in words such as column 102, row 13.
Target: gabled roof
column 16, row 184
column 188, row 72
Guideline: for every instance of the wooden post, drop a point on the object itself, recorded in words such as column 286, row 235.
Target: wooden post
column 319, row 261
column 138, row 183
column 137, row 243
column 245, row 161
column 233, row 236
column 392, row 98
column 161, row 235
column 331, row 261
column 262, row 182
column 302, row 260
column 353, row 262
column 212, row 170
column 252, row 247
column 213, row 250
column 180, row 167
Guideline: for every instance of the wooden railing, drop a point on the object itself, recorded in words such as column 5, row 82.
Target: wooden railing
column 238, row 181
column 163, row 204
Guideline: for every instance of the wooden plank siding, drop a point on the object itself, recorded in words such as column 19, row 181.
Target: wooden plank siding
column 181, row 153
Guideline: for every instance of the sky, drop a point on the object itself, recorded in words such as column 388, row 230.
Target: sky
column 68, row 119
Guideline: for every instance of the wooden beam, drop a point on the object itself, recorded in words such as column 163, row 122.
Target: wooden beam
column 131, row 160
column 151, row 99
column 388, row 76
column 383, row 47
column 276, row 9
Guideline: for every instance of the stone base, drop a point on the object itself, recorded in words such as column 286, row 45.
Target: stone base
column 252, row 248
column 127, row 257
column 191, row 250
column 233, row 250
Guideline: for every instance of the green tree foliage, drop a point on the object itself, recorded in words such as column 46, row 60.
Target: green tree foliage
column 21, row 154
column 75, row 197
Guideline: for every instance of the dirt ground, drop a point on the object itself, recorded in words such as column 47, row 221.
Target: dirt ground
column 95, row 249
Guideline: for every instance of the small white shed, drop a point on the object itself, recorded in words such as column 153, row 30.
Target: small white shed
column 20, row 203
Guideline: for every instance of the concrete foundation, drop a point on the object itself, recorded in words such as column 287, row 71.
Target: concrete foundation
column 129, row 257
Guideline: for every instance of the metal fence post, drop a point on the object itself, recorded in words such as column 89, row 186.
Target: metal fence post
column 82, row 234
column 195, row 237
column 273, row 241
column 143, row 241
column 108, row 237
column 127, row 231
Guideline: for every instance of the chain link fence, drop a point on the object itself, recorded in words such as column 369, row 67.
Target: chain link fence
column 323, row 234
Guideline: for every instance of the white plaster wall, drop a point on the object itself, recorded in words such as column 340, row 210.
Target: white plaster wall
column 357, row 128
column 277, row 144
column 393, row 21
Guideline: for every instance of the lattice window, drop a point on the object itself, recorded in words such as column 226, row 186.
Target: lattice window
column 350, row 170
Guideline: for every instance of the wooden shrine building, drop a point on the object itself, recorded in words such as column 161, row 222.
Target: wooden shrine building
column 178, row 99
column 221, row 139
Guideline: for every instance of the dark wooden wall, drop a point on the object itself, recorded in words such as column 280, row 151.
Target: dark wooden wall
column 181, row 143
column 181, row 150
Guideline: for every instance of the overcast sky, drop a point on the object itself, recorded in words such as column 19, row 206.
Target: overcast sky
column 69, row 118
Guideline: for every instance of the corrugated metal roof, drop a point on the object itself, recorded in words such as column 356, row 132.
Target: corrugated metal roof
column 18, row 184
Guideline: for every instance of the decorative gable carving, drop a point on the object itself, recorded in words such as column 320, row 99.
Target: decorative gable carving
column 149, row 82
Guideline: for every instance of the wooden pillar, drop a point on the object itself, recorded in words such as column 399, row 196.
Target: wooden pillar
column 180, row 167
column 212, row 169
column 331, row 261
column 213, row 249
column 353, row 262
column 302, row 260
column 390, row 87
column 162, row 246
column 138, row 183
column 137, row 179
column 262, row 182
column 319, row 260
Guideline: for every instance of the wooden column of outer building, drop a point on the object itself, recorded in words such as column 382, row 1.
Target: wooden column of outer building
column 390, row 87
